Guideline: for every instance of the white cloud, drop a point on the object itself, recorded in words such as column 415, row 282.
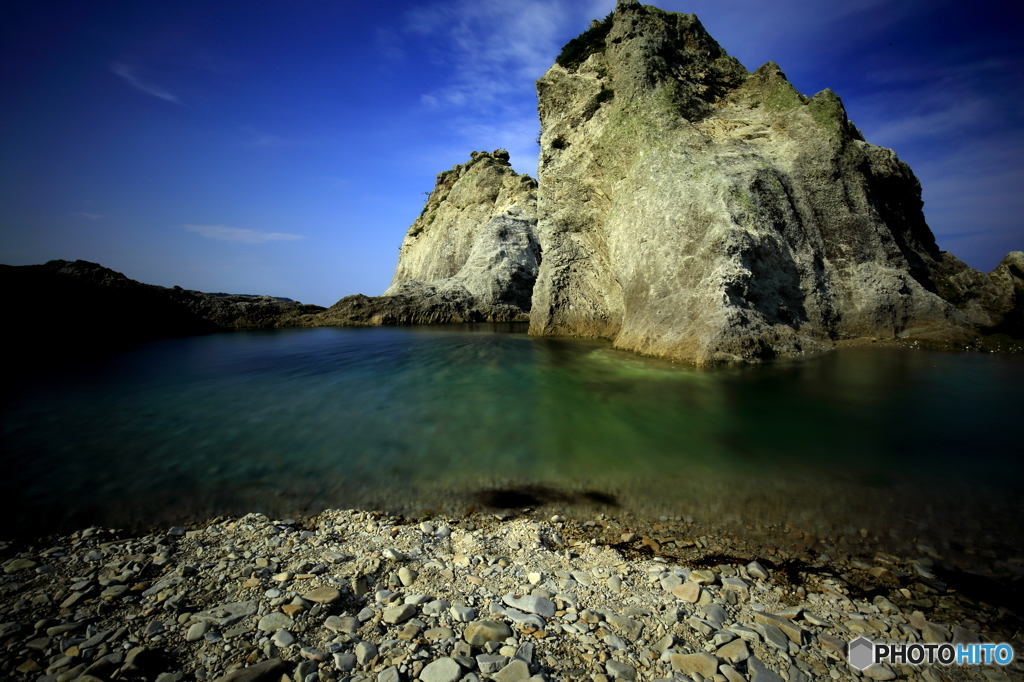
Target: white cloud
column 947, row 117
column 492, row 48
column 238, row 234
column 128, row 73
column 490, row 53
column 91, row 216
column 516, row 136
column 263, row 140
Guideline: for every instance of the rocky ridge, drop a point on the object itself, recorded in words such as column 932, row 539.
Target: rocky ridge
column 67, row 310
column 695, row 211
column 471, row 256
column 104, row 307
column 350, row 595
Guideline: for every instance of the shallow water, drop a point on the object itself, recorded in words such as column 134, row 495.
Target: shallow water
column 413, row 419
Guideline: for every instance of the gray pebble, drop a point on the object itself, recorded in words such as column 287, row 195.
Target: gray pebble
column 757, row 571
column 365, row 652
column 442, row 670
column 620, row 671
column 283, row 639
column 389, row 675
column 272, row 622
column 463, row 614
column 196, row 631
column 344, row 662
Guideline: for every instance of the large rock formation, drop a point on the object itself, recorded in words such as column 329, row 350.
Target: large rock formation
column 692, row 210
column 471, row 255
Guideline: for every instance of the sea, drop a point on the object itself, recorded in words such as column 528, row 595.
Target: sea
column 888, row 443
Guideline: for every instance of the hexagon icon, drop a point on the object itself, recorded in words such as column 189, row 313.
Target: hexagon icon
column 860, row 653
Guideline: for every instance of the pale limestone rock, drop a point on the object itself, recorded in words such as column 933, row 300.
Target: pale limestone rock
column 691, row 210
column 703, row 663
column 472, row 254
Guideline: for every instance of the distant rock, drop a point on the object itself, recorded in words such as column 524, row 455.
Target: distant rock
column 245, row 312
column 993, row 302
column 472, row 255
column 221, row 294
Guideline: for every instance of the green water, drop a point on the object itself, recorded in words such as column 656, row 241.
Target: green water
column 416, row 419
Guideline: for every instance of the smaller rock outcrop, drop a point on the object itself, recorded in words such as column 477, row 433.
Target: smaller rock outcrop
column 244, row 311
column 472, row 255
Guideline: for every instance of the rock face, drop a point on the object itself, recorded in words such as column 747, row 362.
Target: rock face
column 692, row 210
column 471, row 255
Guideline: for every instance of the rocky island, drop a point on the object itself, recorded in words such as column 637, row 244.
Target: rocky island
column 471, row 256
column 688, row 209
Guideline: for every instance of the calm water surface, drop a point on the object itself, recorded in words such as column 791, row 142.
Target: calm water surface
column 425, row 418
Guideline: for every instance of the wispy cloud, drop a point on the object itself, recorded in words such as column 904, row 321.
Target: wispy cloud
column 943, row 119
column 490, row 53
column 128, row 73
column 254, row 138
column 258, row 138
column 91, row 216
column 515, row 135
column 389, row 44
column 239, row 234
column 492, row 48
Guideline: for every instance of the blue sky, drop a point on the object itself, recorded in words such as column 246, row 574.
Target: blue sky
column 284, row 147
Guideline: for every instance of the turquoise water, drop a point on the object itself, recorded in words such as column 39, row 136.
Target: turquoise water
column 417, row 419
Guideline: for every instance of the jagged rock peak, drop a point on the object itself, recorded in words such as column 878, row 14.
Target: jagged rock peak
column 638, row 49
column 499, row 155
column 439, row 242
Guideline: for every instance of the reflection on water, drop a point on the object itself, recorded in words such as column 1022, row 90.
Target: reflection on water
column 424, row 418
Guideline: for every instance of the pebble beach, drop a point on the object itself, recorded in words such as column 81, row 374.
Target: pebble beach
column 360, row 596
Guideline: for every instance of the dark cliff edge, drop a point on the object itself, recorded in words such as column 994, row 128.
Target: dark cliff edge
column 72, row 310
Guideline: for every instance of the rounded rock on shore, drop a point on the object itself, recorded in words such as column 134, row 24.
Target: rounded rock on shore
column 483, row 631
column 442, row 670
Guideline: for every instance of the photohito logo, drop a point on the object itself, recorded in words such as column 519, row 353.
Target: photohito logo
column 862, row 652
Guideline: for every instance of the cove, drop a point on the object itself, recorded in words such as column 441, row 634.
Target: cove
column 456, row 417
